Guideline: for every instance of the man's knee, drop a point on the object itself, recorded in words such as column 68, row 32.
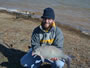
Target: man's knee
column 26, row 60
column 23, row 62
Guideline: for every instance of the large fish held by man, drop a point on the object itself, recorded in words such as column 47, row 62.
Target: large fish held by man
column 48, row 52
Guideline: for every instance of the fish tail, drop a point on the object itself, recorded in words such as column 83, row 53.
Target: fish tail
column 67, row 60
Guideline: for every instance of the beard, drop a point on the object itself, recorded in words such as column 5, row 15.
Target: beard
column 46, row 26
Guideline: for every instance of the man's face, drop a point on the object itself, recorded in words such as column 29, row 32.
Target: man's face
column 47, row 23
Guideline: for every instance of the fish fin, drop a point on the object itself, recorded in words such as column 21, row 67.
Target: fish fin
column 68, row 60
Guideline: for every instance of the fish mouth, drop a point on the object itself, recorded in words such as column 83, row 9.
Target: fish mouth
column 33, row 54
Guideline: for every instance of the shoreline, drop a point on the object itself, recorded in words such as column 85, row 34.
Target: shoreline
column 15, row 36
column 35, row 16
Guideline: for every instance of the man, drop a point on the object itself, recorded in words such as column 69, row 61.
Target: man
column 45, row 34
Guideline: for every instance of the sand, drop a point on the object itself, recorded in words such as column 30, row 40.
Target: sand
column 15, row 38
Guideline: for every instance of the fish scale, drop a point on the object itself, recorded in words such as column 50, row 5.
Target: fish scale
column 48, row 52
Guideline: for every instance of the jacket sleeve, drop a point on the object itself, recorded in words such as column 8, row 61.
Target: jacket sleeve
column 59, row 38
column 35, row 41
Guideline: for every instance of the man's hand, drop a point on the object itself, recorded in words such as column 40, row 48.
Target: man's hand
column 54, row 59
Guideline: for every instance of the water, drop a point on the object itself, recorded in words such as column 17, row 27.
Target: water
column 75, row 13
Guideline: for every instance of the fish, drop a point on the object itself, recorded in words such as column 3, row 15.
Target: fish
column 48, row 52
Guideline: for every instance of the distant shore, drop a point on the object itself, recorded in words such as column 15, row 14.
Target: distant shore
column 36, row 16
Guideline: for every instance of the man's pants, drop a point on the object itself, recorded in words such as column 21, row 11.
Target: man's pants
column 30, row 61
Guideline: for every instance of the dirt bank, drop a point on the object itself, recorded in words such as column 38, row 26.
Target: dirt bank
column 15, row 36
